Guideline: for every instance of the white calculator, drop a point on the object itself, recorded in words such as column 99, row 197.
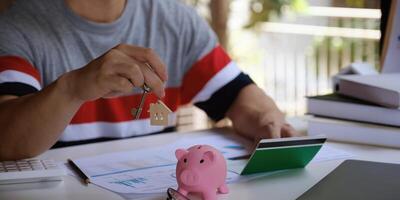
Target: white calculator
column 30, row 170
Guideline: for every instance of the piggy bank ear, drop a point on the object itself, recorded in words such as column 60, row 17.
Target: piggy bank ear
column 210, row 155
column 179, row 153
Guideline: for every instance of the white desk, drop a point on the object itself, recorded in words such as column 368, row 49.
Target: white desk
column 285, row 185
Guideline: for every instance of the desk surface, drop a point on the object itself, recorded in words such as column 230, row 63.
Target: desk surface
column 286, row 185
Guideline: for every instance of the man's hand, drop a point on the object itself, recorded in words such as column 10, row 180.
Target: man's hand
column 117, row 72
column 256, row 116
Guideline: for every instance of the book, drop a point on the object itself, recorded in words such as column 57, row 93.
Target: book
column 356, row 132
column 382, row 89
column 391, row 41
column 342, row 107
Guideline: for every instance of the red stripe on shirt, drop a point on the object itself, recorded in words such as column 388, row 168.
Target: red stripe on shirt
column 18, row 64
column 119, row 109
column 202, row 71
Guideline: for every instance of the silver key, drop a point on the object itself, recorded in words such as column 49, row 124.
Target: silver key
column 137, row 111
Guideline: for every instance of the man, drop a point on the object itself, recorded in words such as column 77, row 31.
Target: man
column 68, row 69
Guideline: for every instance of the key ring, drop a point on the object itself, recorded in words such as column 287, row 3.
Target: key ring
column 146, row 88
column 175, row 195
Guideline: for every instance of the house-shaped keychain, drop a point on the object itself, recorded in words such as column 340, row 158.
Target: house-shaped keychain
column 159, row 114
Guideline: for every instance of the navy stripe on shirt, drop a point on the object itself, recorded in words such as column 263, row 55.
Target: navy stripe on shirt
column 218, row 104
column 16, row 89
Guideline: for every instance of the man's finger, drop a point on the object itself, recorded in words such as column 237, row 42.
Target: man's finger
column 127, row 67
column 289, row 131
column 275, row 130
column 146, row 55
column 132, row 72
column 152, row 80
column 112, row 95
column 119, row 84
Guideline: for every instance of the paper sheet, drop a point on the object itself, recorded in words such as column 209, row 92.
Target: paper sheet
column 327, row 153
column 132, row 174
column 157, row 156
column 150, row 170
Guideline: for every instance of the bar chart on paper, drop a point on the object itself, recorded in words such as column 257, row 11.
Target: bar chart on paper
column 145, row 181
column 148, row 180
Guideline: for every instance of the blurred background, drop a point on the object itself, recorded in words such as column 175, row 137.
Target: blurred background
column 290, row 48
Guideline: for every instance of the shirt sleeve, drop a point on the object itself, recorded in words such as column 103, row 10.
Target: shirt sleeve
column 219, row 102
column 17, row 74
column 211, row 80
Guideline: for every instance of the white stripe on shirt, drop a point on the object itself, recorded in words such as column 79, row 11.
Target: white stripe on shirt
column 16, row 76
column 226, row 75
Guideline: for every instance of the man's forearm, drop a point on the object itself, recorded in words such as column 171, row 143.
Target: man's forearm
column 253, row 113
column 32, row 124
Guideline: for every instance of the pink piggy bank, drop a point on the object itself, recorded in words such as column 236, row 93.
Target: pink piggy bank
column 201, row 169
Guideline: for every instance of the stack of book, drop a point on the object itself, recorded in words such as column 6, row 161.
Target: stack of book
column 366, row 109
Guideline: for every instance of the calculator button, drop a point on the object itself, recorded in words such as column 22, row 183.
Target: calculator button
column 11, row 168
column 23, row 166
column 34, row 162
column 22, row 163
column 36, row 167
column 49, row 163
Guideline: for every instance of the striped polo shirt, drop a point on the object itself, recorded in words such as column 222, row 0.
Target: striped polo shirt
column 43, row 39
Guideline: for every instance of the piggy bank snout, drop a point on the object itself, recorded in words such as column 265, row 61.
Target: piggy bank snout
column 189, row 177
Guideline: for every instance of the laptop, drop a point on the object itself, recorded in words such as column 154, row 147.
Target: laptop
column 356, row 179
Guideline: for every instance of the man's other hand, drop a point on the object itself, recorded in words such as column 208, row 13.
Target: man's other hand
column 256, row 116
